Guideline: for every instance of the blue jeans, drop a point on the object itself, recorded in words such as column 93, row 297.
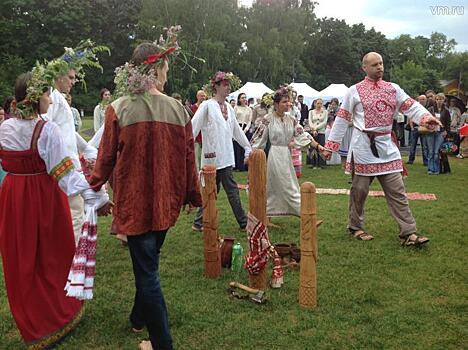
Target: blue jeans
column 424, row 147
column 149, row 308
column 434, row 141
column 414, row 136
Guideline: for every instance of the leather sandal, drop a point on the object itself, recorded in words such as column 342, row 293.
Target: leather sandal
column 361, row 235
column 413, row 240
column 145, row 345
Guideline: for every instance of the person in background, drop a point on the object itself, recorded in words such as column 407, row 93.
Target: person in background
column 201, row 96
column 100, row 109
column 438, row 135
column 259, row 111
column 178, row 97
column 332, row 109
column 415, row 135
column 76, row 114
column 463, row 121
column 318, row 124
column 251, row 102
column 455, row 123
column 303, row 109
column 244, row 118
column 430, row 95
column 232, row 102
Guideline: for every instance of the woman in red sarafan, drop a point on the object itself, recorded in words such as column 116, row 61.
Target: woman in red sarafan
column 36, row 234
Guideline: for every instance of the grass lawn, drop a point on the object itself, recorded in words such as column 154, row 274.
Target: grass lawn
column 371, row 295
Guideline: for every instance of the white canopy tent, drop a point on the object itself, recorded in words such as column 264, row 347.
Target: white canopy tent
column 252, row 90
column 334, row 90
column 309, row 93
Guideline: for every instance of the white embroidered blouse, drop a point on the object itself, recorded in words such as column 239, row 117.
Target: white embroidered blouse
column 16, row 135
column 372, row 106
column 218, row 133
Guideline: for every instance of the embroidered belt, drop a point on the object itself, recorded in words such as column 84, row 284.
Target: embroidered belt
column 372, row 135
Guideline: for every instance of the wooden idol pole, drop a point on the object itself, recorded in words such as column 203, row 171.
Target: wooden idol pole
column 308, row 272
column 210, row 223
column 257, row 204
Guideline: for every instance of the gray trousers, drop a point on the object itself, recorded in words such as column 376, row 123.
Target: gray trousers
column 397, row 202
column 224, row 176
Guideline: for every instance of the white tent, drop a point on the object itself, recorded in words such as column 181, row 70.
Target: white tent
column 252, row 90
column 309, row 93
column 334, row 90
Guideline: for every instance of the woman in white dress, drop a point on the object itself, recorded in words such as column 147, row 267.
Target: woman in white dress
column 281, row 131
column 100, row 110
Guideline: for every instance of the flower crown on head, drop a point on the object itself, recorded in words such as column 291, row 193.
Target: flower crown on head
column 234, row 81
column 44, row 74
column 131, row 79
column 267, row 99
column 285, row 90
column 83, row 55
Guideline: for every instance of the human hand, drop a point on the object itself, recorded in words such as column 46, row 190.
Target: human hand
column 106, row 209
column 89, row 164
column 246, row 160
column 326, row 154
column 433, row 121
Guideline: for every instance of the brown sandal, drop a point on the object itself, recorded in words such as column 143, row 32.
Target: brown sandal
column 361, row 235
column 413, row 240
column 145, row 345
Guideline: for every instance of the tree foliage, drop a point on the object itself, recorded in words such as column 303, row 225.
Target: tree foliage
column 272, row 41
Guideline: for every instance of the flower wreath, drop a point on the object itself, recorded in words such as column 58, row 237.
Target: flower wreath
column 83, row 55
column 234, row 82
column 133, row 79
column 44, row 74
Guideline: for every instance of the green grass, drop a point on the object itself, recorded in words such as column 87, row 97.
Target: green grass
column 371, row 295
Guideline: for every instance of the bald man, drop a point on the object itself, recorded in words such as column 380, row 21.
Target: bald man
column 415, row 135
column 372, row 104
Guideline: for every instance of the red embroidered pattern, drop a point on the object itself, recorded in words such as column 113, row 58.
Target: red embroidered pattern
column 377, row 168
column 406, row 104
column 343, row 113
column 424, row 118
column 332, row 146
column 378, row 101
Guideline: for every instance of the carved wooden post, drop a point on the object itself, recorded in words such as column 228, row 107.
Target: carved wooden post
column 210, row 223
column 257, row 203
column 308, row 272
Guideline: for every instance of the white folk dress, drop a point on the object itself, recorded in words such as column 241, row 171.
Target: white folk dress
column 372, row 106
column 283, row 195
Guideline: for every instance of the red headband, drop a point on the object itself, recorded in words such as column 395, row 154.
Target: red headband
column 154, row 58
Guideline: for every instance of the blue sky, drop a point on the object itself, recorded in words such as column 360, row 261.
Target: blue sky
column 392, row 18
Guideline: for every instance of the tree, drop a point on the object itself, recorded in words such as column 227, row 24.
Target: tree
column 410, row 76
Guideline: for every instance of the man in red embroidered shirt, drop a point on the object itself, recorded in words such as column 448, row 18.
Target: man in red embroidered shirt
column 371, row 105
